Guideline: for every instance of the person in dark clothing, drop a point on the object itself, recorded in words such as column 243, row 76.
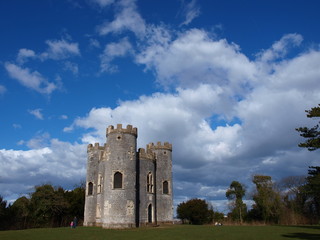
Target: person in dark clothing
column 75, row 222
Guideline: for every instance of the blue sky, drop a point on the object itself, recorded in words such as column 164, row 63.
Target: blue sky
column 226, row 82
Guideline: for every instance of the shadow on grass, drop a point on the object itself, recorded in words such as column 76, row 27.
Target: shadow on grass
column 317, row 227
column 307, row 236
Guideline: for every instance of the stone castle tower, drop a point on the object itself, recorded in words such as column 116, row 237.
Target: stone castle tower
column 125, row 187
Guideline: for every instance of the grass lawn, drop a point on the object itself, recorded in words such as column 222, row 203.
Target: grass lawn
column 183, row 232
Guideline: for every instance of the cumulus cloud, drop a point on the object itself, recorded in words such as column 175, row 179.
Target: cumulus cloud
column 114, row 50
column 280, row 48
column 37, row 113
column 194, row 58
column 127, row 18
column 33, row 80
column 190, row 10
column 60, row 163
column 228, row 121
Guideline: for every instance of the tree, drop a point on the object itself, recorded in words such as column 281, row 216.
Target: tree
column 311, row 134
column 294, row 197
column 196, row 211
column 235, row 193
column 76, row 200
column 312, row 143
column 313, row 190
column 267, row 201
column 3, row 213
column 48, row 205
column 21, row 210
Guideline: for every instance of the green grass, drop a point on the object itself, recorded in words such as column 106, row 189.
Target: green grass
column 177, row 232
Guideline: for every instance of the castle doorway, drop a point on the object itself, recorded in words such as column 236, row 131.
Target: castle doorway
column 150, row 213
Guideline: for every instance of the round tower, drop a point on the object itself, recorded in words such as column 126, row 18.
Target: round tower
column 163, row 172
column 120, row 178
column 91, row 183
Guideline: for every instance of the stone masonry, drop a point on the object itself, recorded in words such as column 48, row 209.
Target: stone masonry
column 128, row 188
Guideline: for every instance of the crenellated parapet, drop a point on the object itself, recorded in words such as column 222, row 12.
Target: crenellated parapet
column 165, row 146
column 119, row 129
column 96, row 146
column 143, row 154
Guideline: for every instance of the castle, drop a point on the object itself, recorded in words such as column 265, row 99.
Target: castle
column 128, row 188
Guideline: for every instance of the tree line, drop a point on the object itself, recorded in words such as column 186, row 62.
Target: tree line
column 47, row 206
column 293, row 200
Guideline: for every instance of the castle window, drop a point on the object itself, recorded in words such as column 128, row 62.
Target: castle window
column 150, row 213
column 90, row 188
column 117, row 180
column 149, row 183
column 165, row 187
column 100, row 181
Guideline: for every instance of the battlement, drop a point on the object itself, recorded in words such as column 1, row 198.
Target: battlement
column 145, row 154
column 165, row 146
column 119, row 129
column 96, row 146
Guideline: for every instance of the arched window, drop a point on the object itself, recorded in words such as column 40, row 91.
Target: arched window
column 117, row 180
column 149, row 183
column 165, row 187
column 90, row 188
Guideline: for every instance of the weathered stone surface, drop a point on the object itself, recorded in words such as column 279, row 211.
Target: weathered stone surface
column 128, row 185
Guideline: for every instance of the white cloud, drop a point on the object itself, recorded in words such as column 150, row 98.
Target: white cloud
column 37, row 113
column 103, row 3
column 60, row 49
column 72, row 67
column 60, row 163
column 111, row 51
column 127, row 18
column 194, row 58
column 33, row 80
column 2, row 89
column 24, row 54
column 94, row 43
column 191, row 11
column 280, row 48
column 16, row 126
column 39, row 141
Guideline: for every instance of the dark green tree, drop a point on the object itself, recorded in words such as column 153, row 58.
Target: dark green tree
column 312, row 143
column 312, row 135
column 76, row 200
column 195, row 211
column 235, row 193
column 313, row 190
column 48, row 206
column 268, row 203
column 21, row 211
column 3, row 213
